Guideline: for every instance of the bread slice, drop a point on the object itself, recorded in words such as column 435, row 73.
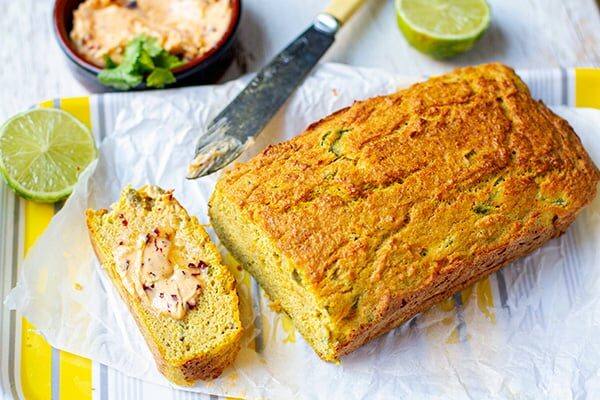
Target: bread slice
column 203, row 341
column 384, row 208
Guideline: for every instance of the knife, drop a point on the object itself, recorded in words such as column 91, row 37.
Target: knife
column 246, row 116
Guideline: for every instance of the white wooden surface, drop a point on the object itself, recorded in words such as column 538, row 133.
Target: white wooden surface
column 523, row 34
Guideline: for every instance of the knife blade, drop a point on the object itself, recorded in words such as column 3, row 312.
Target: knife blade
column 244, row 118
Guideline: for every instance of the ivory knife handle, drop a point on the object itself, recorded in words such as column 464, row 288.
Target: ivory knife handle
column 342, row 10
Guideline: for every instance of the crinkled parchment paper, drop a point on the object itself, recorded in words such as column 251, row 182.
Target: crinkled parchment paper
column 529, row 331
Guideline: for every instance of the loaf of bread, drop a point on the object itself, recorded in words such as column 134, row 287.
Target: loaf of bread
column 170, row 275
column 384, row 208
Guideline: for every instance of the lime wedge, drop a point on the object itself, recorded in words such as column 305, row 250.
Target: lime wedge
column 442, row 28
column 42, row 153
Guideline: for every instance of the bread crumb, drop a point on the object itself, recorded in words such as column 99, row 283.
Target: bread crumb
column 276, row 306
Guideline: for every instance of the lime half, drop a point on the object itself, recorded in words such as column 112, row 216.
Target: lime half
column 442, row 28
column 42, row 153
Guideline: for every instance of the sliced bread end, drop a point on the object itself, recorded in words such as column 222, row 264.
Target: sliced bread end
column 202, row 343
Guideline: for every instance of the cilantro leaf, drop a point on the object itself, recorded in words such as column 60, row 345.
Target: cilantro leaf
column 110, row 64
column 142, row 56
column 152, row 47
column 131, row 55
column 160, row 77
column 119, row 78
column 144, row 62
column 167, row 60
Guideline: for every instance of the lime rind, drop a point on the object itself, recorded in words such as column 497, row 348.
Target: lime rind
column 483, row 25
column 41, row 197
column 439, row 45
column 29, row 142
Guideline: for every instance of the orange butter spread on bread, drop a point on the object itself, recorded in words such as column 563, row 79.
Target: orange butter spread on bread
column 147, row 272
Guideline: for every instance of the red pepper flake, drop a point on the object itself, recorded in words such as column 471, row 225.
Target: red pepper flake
column 174, row 297
column 195, row 267
column 123, row 220
column 198, row 287
column 156, row 231
column 152, row 274
column 121, row 243
column 161, row 295
column 190, row 305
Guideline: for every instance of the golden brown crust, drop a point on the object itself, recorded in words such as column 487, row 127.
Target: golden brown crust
column 186, row 373
column 399, row 201
column 401, row 310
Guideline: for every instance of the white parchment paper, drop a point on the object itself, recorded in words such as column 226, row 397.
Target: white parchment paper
column 529, row 331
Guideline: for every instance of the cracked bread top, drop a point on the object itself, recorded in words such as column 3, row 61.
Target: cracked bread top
column 378, row 200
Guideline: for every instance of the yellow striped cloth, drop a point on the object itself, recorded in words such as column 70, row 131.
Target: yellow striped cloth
column 74, row 372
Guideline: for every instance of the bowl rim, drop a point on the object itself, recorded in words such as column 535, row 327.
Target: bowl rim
column 67, row 46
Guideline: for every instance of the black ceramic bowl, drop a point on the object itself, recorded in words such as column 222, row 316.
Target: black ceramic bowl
column 205, row 69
